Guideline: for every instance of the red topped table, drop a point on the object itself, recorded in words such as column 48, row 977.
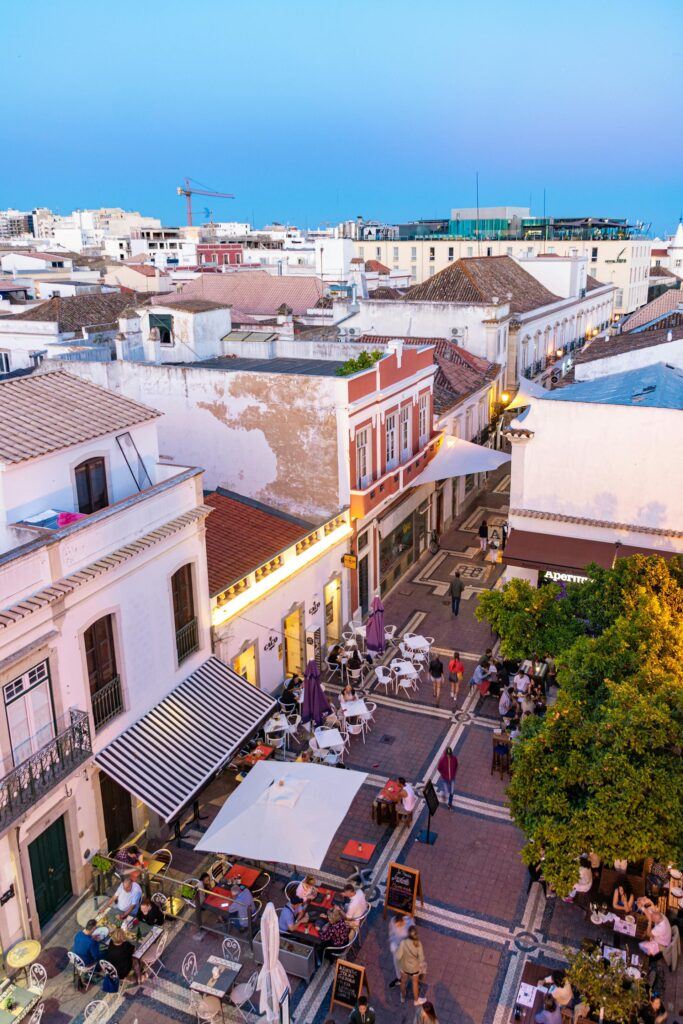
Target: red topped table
column 244, row 875
column 260, row 753
column 357, row 851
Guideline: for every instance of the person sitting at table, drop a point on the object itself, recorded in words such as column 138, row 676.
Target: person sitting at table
column 333, row 654
column 654, row 1011
column 354, row 664
column 521, row 681
column 207, row 883
column 550, row 1014
column 150, row 913
column 507, row 705
column 120, row 954
column 622, row 897
column 356, row 907
column 559, row 988
column 658, row 935
column 348, row 694
column 85, row 945
column 307, row 889
column 126, row 899
column 291, row 915
column 336, row 931
column 241, row 906
column 407, row 798
column 288, row 702
column 585, row 882
column 480, row 675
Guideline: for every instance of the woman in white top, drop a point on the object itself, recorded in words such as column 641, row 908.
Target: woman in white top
column 585, row 882
column 408, row 796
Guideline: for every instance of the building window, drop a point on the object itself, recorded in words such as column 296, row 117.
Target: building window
column 413, row 274
column 509, row 250
column 163, row 322
column 4, row 362
column 185, row 620
column 404, row 427
column 451, row 252
column 489, row 250
column 619, row 298
column 378, row 251
column 91, row 486
column 363, row 460
column 395, row 252
column 431, row 271
column 390, row 424
column 413, row 252
column 29, row 711
column 423, row 419
column 594, row 254
column 432, row 253
column 470, row 250
column 103, row 679
column 361, row 251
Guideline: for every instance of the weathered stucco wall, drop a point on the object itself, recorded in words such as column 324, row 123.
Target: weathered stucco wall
column 272, row 437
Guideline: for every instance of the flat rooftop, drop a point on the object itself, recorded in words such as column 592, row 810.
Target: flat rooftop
column 241, row 364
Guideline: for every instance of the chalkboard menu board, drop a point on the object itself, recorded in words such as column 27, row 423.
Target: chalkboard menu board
column 349, row 980
column 403, row 888
column 431, row 798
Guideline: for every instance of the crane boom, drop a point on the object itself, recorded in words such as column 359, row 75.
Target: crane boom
column 188, row 192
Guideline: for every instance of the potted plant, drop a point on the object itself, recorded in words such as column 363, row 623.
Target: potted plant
column 605, row 985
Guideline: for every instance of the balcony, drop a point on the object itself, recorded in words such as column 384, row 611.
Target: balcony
column 24, row 785
column 107, row 703
column 187, row 640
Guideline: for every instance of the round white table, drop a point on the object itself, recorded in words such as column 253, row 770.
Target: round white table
column 416, row 643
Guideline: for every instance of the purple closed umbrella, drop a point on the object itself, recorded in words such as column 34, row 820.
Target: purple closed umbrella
column 316, row 706
column 374, row 633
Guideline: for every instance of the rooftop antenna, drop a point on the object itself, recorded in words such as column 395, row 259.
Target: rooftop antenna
column 477, row 227
column 545, row 226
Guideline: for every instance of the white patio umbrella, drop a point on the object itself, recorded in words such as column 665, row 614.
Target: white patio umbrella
column 272, row 979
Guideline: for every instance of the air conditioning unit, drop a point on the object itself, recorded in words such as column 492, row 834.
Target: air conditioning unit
column 353, row 330
column 456, row 332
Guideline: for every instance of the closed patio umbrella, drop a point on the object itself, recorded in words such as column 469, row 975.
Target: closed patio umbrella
column 272, row 979
column 374, row 633
column 315, row 705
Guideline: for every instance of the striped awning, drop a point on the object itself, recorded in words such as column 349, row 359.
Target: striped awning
column 168, row 755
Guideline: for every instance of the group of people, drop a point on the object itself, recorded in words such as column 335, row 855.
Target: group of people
column 235, row 904
column 336, row 926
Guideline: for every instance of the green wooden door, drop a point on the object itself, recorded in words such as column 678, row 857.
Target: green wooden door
column 50, row 870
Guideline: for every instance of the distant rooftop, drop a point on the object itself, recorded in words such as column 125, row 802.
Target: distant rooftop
column 603, row 348
column 664, row 305
column 241, row 364
column 653, row 387
column 74, row 312
column 483, row 279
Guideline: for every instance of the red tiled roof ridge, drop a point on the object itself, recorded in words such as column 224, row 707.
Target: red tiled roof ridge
column 559, row 517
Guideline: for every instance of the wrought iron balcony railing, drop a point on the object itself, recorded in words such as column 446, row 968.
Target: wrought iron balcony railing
column 24, row 785
column 187, row 640
column 107, row 703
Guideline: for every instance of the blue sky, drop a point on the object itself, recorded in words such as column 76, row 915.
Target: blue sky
column 313, row 112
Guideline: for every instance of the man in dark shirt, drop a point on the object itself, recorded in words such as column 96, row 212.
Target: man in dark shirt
column 150, row 913
column 456, row 588
column 86, row 946
column 363, row 1014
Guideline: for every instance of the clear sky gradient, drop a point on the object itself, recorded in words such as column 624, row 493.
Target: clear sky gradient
column 318, row 111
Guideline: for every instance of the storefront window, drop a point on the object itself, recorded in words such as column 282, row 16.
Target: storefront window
column 396, row 552
column 470, row 481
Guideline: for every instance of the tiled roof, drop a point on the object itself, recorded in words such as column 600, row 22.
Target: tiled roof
column 196, row 305
column 74, row 312
column 242, row 534
column 142, row 268
column 480, row 280
column 603, row 523
column 44, row 412
column 659, row 252
column 376, row 267
column 255, row 292
column 592, row 283
column 661, row 272
column 665, row 303
column 603, row 348
column 385, row 292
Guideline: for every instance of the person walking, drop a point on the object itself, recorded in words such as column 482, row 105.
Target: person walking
column 436, row 672
column 456, row 670
column 456, row 588
column 483, row 536
column 426, row 1014
column 448, row 769
column 363, row 1013
column 411, row 958
column 399, row 926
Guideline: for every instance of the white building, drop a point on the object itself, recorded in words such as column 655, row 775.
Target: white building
column 279, row 592
column 103, row 611
column 591, row 474
column 630, row 351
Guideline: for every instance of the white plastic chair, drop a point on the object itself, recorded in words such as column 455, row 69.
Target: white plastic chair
column 406, row 684
column 189, row 967
column 384, row 677
column 37, row 978
column 232, row 950
column 390, row 635
column 81, row 972
column 152, row 958
column 356, row 729
column 241, row 995
column 673, row 950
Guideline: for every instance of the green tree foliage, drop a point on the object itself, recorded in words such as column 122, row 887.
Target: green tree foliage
column 603, row 771
column 363, row 361
column 605, row 985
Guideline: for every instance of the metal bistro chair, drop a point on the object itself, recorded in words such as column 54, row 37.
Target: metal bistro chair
column 37, row 978
column 152, row 958
column 94, row 1011
column 219, row 868
column 37, row 1014
column 390, row 635
column 241, row 995
column 256, row 890
column 109, row 971
column 232, row 950
column 165, row 856
column 189, row 967
column 81, row 972
column 208, row 1009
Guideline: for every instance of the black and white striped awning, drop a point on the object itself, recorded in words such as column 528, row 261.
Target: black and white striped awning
column 170, row 753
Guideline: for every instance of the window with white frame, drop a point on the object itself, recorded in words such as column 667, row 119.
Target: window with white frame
column 29, row 711
column 4, row 362
column 404, row 430
column 391, row 447
column 363, row 459
column 423, row 419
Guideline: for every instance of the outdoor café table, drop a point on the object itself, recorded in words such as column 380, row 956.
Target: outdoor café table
column 354, row 708
column 243, row 874
column 530, row 998
column 146, row 944
column 216, row 977
column 154, row 867
column 328, row 738
column 416, row 643
column 306, row 928
column 23, row 997
column 387, row 799
column 260, row 753
column 22, row 954
column 89, row 909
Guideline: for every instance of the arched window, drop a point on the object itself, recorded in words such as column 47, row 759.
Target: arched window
column 91, row 486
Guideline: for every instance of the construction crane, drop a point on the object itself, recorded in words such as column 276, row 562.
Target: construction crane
column 190, row 191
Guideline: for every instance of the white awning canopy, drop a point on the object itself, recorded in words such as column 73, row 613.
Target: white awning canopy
column 528, row 390
column 284, row 812
column 168, row 755
column 458, row 458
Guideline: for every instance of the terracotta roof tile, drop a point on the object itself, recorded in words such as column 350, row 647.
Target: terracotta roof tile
column 242, row 534
column 667, row 302
column 481, row 280
column 255, row 292
column 45, row 412
column 74, row 312
column 627, row 341
column 375, row 267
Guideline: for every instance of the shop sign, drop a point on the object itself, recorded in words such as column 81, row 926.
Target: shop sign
column 553, row 576
column 350, row 561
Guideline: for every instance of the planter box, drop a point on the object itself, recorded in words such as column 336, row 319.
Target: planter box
column 297, row 958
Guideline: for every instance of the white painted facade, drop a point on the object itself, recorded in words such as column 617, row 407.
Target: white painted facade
column 135, row 592
column 670, row 352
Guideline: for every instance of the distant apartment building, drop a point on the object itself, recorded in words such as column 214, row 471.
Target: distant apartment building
column 15, row 223
column 615, row 251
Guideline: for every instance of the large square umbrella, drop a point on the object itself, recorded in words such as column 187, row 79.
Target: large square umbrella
column 316, row 706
